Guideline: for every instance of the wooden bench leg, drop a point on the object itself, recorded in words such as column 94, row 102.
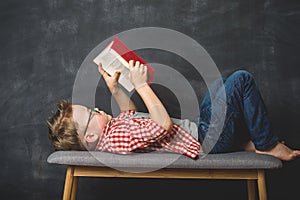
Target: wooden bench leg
column 251, row 189
column 74, row 188
column 261, row 183
column 68, row 183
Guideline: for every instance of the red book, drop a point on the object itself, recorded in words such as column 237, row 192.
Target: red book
column 115, row 57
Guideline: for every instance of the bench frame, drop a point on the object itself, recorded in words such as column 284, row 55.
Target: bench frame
column 251, row 175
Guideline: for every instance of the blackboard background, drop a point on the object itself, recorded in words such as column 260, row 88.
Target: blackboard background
column 44, row 42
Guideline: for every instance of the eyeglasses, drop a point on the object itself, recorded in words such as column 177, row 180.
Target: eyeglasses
column 90, row 117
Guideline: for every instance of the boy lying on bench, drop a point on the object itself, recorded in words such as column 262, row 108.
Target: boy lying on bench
column 247, row 126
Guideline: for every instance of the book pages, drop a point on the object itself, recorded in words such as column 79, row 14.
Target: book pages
column 112, row 62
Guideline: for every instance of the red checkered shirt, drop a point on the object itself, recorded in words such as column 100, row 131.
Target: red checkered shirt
column 125, row 135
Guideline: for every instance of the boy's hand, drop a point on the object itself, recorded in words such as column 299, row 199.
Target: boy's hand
column 111, row 81
column 138, row 74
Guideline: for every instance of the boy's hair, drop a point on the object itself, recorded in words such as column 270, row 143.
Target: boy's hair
column 62, row 129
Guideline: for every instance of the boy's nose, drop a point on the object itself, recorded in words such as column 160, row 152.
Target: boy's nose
column 98, row 111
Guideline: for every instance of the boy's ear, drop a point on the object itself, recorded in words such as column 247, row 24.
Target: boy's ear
column 91, row 137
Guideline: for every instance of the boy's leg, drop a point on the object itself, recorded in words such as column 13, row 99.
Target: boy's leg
column 246, row 116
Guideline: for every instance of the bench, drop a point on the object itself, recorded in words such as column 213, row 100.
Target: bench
column 236, row 165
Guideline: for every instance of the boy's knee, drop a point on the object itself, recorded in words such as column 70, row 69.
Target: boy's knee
column 243, row 75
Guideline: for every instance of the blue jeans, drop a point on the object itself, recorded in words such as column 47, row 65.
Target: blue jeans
column 245, row 119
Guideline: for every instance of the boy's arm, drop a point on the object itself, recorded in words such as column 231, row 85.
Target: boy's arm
column 158, row 113
column 122, row 99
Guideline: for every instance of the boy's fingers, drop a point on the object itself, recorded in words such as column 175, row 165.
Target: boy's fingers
column 141, row 69
column 102, row 71
column 131, row 64
column 100, row 65
column 117, row 75
column 137, row 64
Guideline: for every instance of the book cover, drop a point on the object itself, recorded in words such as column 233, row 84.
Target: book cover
column 115, row 57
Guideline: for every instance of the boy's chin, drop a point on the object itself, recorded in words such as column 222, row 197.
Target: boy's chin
column 91, row 146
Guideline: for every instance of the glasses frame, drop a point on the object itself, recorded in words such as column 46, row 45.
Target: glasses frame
column 90, row 118
column 88, row 122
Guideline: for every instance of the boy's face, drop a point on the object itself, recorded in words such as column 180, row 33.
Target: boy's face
column 92, row 122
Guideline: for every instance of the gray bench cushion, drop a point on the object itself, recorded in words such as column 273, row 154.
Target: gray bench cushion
column 235, row 160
